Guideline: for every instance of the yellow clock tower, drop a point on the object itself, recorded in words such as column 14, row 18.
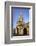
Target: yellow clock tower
column 20, row 26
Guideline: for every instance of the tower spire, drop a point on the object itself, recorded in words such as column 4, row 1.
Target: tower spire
column 20, row 16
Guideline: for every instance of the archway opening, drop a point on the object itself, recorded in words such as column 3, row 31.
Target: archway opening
column 25, row 31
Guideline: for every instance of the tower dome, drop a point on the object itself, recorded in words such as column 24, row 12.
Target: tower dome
column 20, row 18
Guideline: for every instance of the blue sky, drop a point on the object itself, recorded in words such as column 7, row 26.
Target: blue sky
column 17, row 11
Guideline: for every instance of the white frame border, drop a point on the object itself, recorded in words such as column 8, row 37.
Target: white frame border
column 24, row 37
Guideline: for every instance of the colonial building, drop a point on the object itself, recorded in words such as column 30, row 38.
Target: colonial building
column 21, row 27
